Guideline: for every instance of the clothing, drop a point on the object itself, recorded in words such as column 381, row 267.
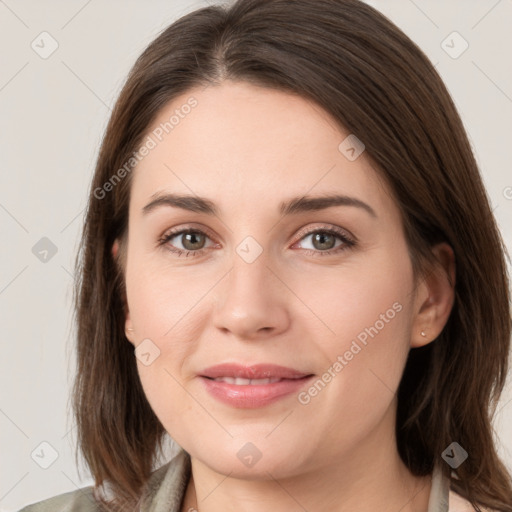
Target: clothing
column 168, row 485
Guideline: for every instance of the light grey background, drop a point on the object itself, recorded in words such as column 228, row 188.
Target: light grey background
column 53, row 114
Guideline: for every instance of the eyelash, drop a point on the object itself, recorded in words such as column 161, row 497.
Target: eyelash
column 348, row 242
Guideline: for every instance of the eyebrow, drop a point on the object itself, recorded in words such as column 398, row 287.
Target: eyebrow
column 291, row 206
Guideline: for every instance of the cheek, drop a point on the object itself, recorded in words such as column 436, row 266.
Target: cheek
column 356, row 388
column 164, row 310
column 364, row 338
column 365, row 300
column 160, row 298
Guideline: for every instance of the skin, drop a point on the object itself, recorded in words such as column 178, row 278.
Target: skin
column 247, row 149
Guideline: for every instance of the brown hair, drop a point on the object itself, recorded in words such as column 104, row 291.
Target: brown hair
column 352, row 61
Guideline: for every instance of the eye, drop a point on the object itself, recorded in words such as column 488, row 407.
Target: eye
column 323, row 241
column 192, row 241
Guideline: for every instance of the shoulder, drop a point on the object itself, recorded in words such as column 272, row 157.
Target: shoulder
column 81, row 500
column 460, row 504
column 444, row 497
column 164, row 491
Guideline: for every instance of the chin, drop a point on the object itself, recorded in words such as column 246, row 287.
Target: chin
column 249, row 460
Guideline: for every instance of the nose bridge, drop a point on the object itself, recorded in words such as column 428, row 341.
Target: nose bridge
column 251, row 249
column 249, row 275
column 249, row 298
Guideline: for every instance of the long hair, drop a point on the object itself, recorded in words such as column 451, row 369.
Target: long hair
column 353, row 62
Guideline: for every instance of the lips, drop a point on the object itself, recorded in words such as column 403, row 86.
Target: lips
column 238, row 381
column 252, row 386
column 235, row 373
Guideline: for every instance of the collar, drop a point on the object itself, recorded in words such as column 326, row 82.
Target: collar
column 439, row 492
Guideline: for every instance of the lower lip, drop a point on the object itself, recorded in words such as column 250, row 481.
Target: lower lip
column 252, row 396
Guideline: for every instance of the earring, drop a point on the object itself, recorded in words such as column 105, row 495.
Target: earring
column 423, row 334
column 130, row 329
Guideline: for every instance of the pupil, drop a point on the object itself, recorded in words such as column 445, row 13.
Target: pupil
column 321, row 237
column 190, row 238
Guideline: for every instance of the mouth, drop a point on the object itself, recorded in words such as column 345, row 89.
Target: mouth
column 243, row 374
column 239, row 381
column 249, row 387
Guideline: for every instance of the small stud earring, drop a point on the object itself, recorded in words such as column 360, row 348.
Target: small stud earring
column 423, row 334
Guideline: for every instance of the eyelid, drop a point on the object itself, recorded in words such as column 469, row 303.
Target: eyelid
column 188, row 227
column 301, row 234
column 180, row 230
column 326, row 227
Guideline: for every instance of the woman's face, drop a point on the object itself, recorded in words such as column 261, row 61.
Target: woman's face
column 256, row 284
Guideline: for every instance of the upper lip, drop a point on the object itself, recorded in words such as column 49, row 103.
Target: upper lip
column 253, row 371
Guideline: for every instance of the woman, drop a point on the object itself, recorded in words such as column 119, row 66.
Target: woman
column 288, row 228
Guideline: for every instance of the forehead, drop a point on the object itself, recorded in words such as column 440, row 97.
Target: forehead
column 241, row 144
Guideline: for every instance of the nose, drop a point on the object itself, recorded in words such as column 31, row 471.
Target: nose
column 252, row 301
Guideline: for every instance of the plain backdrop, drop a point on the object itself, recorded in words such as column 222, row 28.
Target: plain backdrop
column 54, row 109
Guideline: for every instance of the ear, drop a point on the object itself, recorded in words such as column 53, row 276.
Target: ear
column 128, row 328
column 129, row 331
column 434, row 298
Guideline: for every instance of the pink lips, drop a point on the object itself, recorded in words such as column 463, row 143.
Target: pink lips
column 255, row 371
column 249, row 395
